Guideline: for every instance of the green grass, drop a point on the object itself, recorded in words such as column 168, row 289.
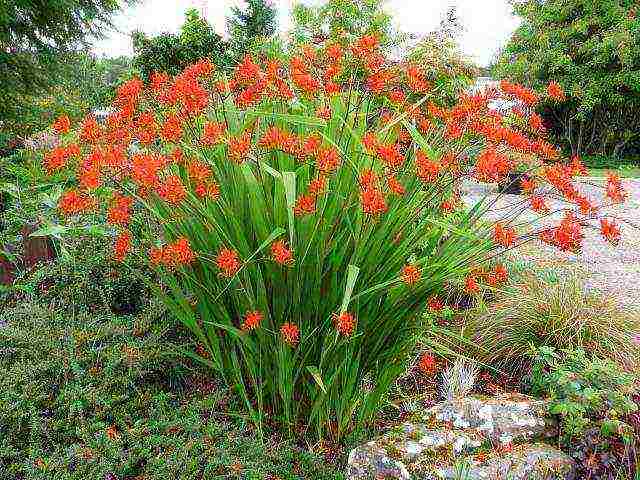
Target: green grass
column 94, row 396
column 624, row 172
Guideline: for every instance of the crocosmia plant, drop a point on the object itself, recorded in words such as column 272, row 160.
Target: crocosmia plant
column 302, row 216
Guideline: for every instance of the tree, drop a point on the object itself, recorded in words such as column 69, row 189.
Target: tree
column 345, row 21
column 257, row 23
column 171, row 53
column 592, row 49
column 35, row 41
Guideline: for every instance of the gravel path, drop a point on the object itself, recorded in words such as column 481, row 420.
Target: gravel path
column 613, row 270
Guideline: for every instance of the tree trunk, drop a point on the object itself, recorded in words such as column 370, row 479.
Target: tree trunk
column 35, row 249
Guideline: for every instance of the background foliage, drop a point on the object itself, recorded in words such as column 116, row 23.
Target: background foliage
column 592, row 48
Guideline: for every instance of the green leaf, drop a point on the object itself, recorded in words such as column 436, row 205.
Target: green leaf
column 315, row 373
column 352, row 276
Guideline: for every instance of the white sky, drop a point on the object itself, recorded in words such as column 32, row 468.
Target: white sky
column 488, row 24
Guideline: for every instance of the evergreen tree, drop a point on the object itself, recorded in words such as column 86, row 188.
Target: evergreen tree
column 246, row 27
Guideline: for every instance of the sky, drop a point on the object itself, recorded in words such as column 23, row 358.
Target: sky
column 488, row 24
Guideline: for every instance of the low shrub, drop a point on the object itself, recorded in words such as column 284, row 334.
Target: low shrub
column 102, row 397
column 549, row 310
column 593, row 399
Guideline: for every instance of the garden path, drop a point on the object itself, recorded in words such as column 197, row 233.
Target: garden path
column 613, row 270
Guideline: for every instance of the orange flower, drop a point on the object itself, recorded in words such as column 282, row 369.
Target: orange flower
column 172, row 190
column 327, row 160
column 528, row 184
column 119, row 213
column 317, row 185
column 122, row 246
column 239, row 147
column 395, row 186
column 610, row 230
column 179, row 252
column 370, row 142
column 504, row 236
column 498, row 275
column 252, row 320
column 538, row 204
column 410, row 274
column 373, row 201
column 555, row 91
column 228, row 262
column 281, row 254
column 290, row 333
column 199, row 171
column 305, row 205
column 62, row 124
column 368, row 179
column 615, row 191
column 471, row 284
column 172, row 129
column 345, row 323
column 427, row 364
column 324, row 113
column 74, row 202
column 391, row 156
column 567, row 236
column 213, row 133
column 426, row 170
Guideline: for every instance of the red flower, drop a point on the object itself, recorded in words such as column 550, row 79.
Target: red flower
column 252, row 320
column 498, row 275
column 426, row 170
column 395, row 186
column 119, row 213
column 90, row 131
column 212, row 133
column 373, row 201
column 370, row 142
column 122, row 246
column 567, row 236
column 538, row 204
column 471, row 285
column 504, row 236
column 427, row 364
column 577, row 167
column 528, row 184
column 74, row 202
column 327, row 160
column 227, row 261
column 172, row 190
column 179, row 252
column 62, row 124
column 317, row 185
column 435, row 304
column 305, row 205
column 368, row 179
column 239, row 147
column 281, row 254
column 610, row 230
column 290, row 333
column 324, row 113
column 199, row 171
column 172, row 129
column 615, row 191
column 536, row 123
column 345, row 323
column 391, row 155
column 555, row 91
column 410, row 274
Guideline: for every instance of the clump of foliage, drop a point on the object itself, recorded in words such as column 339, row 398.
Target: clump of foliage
column 593, row 398
column 344, row 21
column 37, row 39
column 590, row 47
column 100, row 396
column 250, row 26
column 299, row 215
column 171, row 53
column 549, row 311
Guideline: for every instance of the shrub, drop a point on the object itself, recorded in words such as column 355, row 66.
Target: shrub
column 301, row 218
column 102, row 397
column 593, row 398
column 554, row 312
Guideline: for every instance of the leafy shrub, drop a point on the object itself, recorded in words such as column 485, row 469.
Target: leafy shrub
column 304, row 213
column 102, row 397
column 553, row 311
column 593, row 398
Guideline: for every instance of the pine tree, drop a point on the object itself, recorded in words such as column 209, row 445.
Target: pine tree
column 246, row 26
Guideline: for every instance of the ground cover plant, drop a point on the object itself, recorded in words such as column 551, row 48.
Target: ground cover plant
column 301, row 216
column 104, row 396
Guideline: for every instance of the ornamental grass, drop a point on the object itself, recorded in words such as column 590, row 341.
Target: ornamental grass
column 301, row 215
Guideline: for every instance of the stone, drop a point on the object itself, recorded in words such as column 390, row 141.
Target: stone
column 473, row 438
column 503, row 419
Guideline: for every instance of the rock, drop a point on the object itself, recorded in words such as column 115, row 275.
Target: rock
column 502, row 419
column 459, row 436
